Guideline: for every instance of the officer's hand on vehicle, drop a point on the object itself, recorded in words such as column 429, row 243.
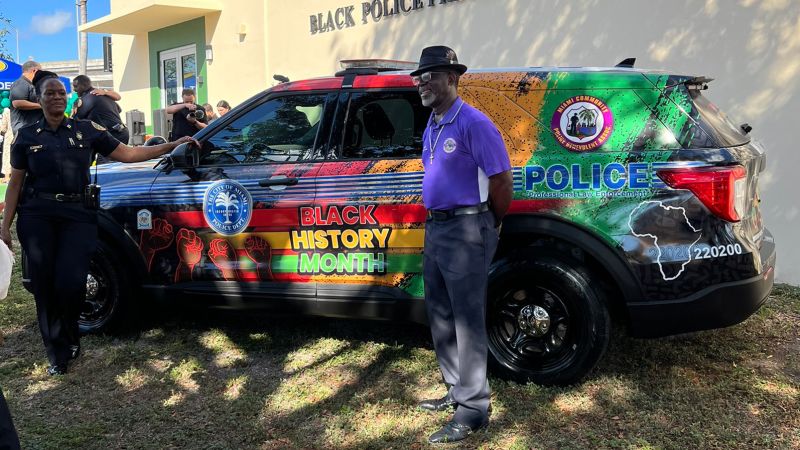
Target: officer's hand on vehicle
column 186, row 139
column 5, row 236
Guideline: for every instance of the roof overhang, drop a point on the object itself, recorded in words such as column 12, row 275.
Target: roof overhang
column 151, row 15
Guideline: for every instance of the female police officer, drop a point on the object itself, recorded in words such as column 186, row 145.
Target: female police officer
column 57, row 223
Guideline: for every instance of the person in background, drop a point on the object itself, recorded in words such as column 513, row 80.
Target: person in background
column 9, row 440
column 100, row 106
column 223, row 107
column 57, row 225
column 184, row 120
column 3, row 130
column 210, row 114
column 25, row 108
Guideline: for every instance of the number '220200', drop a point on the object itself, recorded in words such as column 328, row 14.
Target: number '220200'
column 717, row 251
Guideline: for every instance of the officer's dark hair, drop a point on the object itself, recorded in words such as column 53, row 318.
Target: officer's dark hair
column 27, row 66
column 187, row 91
column 83, row 82
column 40, row 78
column 224, row 104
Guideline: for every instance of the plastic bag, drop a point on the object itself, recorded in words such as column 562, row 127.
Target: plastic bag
column 6, row 265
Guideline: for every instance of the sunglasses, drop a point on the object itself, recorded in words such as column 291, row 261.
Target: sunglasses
column 425, row 77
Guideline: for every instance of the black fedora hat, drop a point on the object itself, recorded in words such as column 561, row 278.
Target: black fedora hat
column 439, row 57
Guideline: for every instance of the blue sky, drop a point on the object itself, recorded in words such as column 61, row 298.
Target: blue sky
column 48, row 28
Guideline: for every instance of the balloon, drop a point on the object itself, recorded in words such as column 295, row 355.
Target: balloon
column 5, row 103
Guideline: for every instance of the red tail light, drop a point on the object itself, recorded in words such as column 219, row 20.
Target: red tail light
column 721, row 189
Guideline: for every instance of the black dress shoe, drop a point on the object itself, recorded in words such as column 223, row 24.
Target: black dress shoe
column 56, row 369
column 74, row 351
column 454, row 432
column 439, row 404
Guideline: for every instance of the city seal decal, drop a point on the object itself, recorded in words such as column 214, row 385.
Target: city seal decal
column 227, row 207
column 582, row 123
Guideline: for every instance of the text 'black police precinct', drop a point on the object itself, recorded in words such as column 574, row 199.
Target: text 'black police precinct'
column 342, row 17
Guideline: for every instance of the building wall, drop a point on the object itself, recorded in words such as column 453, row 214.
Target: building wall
column 751, row 48
column 71, row 68
column 238, row 69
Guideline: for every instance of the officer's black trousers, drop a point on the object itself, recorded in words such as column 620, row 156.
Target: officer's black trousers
column 8, row 434
column 58, row 251
column 455, row 270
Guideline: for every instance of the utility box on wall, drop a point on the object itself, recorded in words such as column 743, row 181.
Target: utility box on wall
column 134, row 120
column 162, row 123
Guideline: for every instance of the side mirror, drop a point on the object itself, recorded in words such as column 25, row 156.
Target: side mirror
column 185, row 156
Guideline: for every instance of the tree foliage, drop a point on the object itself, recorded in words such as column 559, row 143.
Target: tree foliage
column 4, row 32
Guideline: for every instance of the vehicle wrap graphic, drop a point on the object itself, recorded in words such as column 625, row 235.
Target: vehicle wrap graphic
column 362, row 221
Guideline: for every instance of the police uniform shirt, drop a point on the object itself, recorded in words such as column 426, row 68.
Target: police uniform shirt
column 58, row 162
column 100, row 109
column 181, row 126
column 22, row 89
column 459, row 155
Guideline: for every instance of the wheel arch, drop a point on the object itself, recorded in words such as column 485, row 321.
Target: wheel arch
column 602, row 258
column 126, row 250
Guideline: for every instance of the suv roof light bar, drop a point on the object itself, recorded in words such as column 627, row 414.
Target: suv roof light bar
column 381, row 65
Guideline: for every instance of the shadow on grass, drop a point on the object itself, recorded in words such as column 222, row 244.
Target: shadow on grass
column 214, row 379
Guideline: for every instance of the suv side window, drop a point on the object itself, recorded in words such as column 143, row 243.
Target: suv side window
column 384, row 125
column 282, row 129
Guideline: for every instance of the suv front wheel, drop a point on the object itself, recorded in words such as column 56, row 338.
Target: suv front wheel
column 107, row 292
column 546, row 322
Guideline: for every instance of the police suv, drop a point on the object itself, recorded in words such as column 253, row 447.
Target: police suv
column 635, row 199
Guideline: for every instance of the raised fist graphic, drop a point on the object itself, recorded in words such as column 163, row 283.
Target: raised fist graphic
column 223, row 255
column 190, row 249
column 258, row 250
column 155, row 239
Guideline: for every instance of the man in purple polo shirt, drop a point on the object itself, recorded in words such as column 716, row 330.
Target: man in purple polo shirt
column 467, row 189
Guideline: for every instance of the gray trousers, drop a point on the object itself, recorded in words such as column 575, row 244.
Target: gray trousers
column 457, row 255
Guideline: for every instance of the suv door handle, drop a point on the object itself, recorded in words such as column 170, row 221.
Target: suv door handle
column 278, row 182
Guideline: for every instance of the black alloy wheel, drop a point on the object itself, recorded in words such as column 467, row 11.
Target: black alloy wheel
column 103, row 304
column 545, row 321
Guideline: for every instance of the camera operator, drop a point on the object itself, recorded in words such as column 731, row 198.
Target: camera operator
column 187, row 117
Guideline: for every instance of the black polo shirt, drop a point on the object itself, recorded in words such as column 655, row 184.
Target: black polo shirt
column 22, row 89
column 57, row 162
column 181, row 126
column 100, row 109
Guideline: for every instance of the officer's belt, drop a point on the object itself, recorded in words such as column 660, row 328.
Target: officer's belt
column 447, row 214
column 67, row 198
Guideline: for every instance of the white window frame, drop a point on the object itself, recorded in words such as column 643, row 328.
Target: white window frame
column 176, row 54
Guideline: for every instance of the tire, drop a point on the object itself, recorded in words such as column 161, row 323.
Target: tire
column 107, row 294
column 532, row 284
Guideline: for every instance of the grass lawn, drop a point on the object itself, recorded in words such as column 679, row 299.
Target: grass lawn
column 205, row 379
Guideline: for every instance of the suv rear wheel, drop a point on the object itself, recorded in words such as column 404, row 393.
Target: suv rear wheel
column 546, row 322
column 107, row 293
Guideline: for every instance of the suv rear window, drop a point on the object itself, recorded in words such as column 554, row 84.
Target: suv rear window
column 716, row 123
